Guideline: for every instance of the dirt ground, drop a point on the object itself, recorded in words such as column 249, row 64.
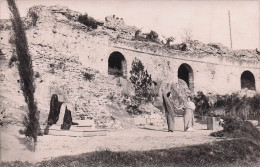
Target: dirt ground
column 140, row 138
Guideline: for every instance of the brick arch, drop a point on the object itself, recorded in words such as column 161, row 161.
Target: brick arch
column 247, row 80
column 117, row 64
column 185, row 72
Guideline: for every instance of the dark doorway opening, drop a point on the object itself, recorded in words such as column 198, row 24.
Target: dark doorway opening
column 247, row 80
column 185, row 73
column 116, row 64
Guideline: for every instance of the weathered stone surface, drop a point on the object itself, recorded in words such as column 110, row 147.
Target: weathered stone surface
column 62, row 49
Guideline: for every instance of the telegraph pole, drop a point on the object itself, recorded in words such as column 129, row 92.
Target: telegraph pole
column 230, row 28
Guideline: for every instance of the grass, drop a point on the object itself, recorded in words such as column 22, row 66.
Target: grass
column 242, row 150
column 222, row 153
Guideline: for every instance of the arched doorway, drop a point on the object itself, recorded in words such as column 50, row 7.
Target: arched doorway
column 247, row 80
column 185, row 73
column 117, row 64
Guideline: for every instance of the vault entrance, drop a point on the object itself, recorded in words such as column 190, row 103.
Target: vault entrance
column 185, row 73
column 117, row 64
column 247, row 80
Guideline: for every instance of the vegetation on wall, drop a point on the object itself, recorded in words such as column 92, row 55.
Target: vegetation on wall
column 26, row 72
column 88, row 21
column 34, row 16
column 152, row 36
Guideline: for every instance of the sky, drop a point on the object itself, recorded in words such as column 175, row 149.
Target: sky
column 207, row 20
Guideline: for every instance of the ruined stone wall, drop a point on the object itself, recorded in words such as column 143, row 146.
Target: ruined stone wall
column 211, row 74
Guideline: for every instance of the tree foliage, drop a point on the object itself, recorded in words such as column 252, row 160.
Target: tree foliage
column 141, row 80
column 152, row 36
column 202, row 103
column 88, row 21
column 25, row 71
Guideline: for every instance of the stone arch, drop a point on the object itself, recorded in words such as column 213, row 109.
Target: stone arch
column 117, row 64
column 185, row 73
column 247, row 80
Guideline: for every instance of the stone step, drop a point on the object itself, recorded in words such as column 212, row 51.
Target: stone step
column 76, row 131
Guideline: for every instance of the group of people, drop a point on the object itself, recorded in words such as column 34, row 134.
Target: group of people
column 60, row 114
column 172, row 110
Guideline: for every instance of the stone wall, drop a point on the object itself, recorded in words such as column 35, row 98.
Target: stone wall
column 217, row 75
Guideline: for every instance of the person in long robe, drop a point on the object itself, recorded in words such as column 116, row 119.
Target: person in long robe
column 169, row 97
column 59, row 114
column 55, row 106
column 169, row 111
column 189, row 115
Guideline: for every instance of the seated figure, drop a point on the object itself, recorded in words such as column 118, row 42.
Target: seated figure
column 59, row 114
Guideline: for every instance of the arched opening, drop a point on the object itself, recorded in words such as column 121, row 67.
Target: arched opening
column 247, row 80
column 185, row 73
column 117, row 64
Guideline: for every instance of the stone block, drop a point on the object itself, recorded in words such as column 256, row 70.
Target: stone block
column 178, row 124
column 213, row 123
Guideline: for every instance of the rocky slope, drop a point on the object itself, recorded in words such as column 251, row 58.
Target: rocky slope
column 55, row 41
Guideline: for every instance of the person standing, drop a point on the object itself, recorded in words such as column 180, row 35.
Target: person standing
column 189, row 115
column 169, row 112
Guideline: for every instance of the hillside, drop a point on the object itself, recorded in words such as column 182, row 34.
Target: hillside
column 56, row 39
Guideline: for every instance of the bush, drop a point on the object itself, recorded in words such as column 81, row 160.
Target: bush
column 37, row 75
column 12, row 60
column 34, row 17
column 152, row 36
column 202, row 104
column 138, row 33
column 238, row 128
column 88, row 21
column 236, row 106
column 88, row 76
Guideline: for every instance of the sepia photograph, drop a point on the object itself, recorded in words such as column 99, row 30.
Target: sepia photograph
column 129, row 83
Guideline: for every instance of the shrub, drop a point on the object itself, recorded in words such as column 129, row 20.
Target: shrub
column 137, row 33
column 236, row 106
column 152, row 36
column 88, row 21
column 88, row 76
column 34, row 17
column 37, row 75
column 12, row 60
column 169, row 40
column 202, row 103
column 238, row 128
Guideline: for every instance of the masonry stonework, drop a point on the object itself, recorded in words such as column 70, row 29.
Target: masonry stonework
column 217, row 75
